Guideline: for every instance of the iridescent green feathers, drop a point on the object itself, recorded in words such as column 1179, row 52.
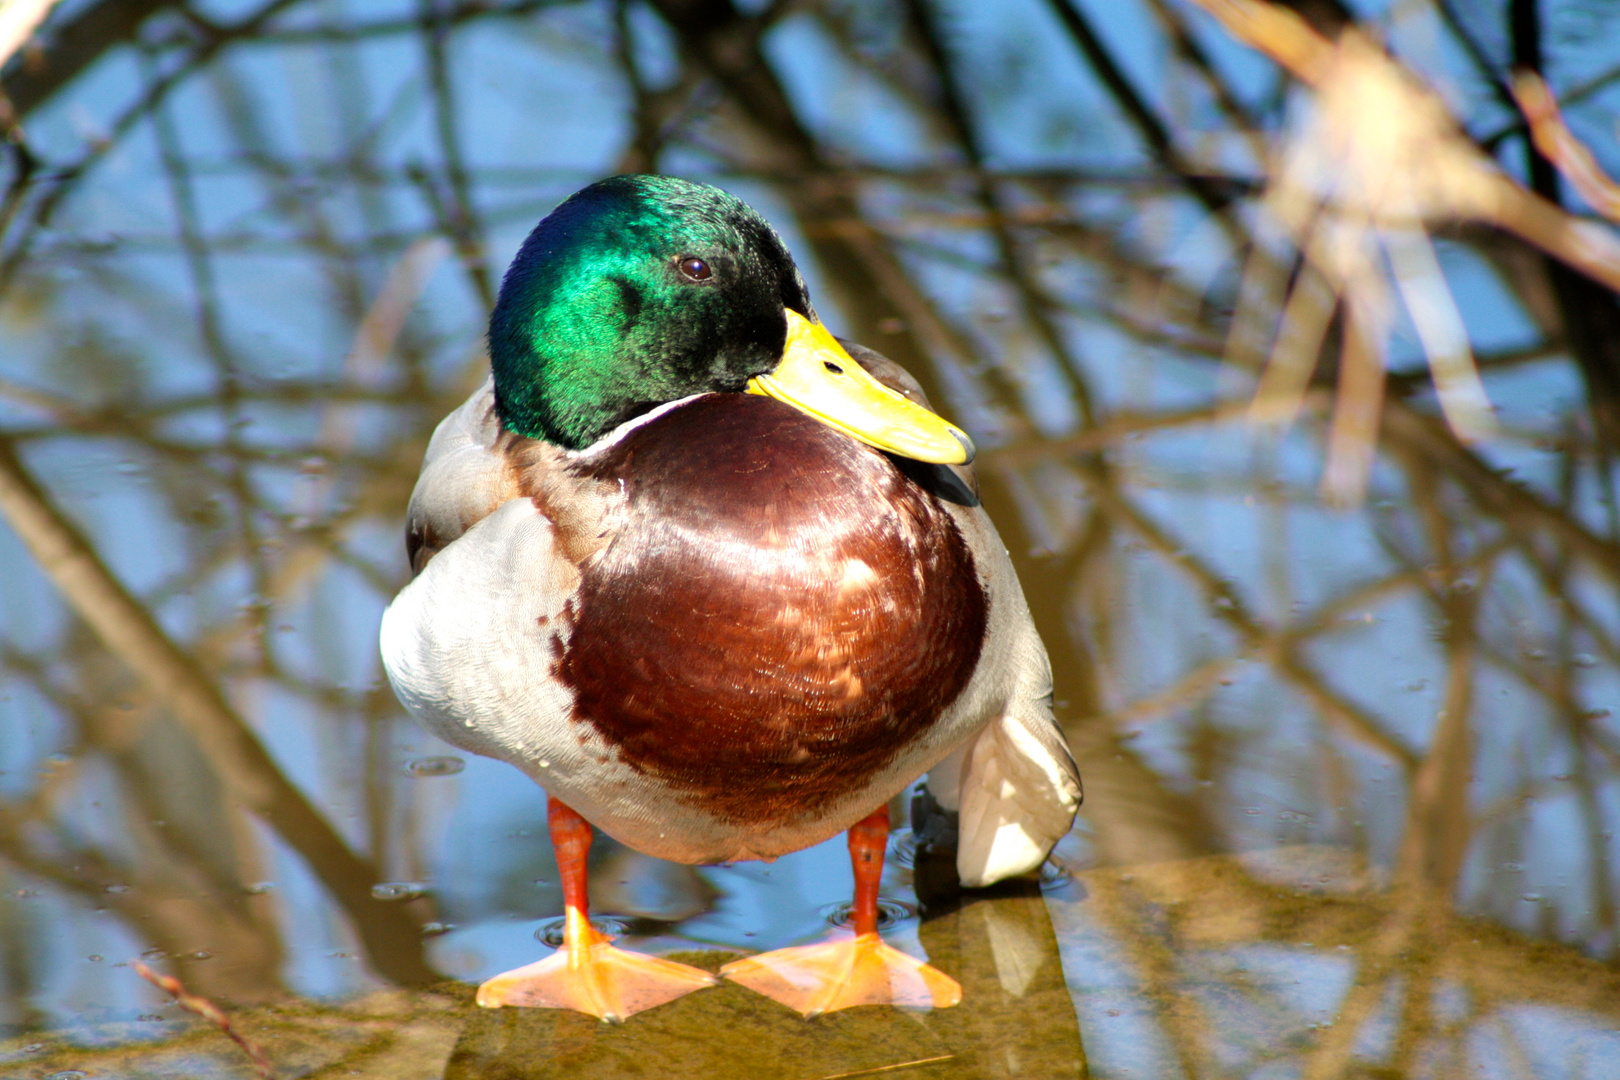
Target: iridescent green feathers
column 599, row 321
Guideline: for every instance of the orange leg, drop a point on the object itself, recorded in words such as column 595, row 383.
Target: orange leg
column 862, row 970
column 588, row 974
column 868, row 839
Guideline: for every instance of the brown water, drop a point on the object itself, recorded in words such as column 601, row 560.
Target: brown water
column 1351, row 772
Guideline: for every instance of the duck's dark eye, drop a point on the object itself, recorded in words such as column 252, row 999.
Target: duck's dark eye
column 832, row 367
column 696, row 269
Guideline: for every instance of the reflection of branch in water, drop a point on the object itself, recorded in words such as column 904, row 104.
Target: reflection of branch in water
column 1406, row 944
column 175, row 915
column 1226, row 605
column 1515, row 505
column 1438, row 823
column 18, row 21
column 1149, row 935
column 885, row 309
column 64, row 180
column 73, row 47
column 222, row 357
column 1329, row 616
column 1560, row 146
column 884, row 304
column 393, row 940
column 1379, row 161
column 1400, row 941
column 182, row 889
column 1014, row 264
column 1149, row 127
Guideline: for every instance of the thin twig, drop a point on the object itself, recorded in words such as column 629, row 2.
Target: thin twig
column 896, row 1067
column 206, row 1009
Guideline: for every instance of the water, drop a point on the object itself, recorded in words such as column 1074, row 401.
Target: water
column 398, row 890
column 438, row 765
column 1350, row 767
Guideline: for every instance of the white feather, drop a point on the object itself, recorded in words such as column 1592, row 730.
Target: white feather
column 1014, row 783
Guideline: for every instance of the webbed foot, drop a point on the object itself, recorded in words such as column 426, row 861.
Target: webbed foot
column 832, row 975
column 589, row 975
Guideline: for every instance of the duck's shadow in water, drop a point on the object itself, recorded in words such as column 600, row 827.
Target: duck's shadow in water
column 1016, row 1019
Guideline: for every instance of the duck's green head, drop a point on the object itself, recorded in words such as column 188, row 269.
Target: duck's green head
column 641, row 290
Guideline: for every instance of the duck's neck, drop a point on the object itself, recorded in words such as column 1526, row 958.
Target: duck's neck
column 565, row 384
column 572, row 353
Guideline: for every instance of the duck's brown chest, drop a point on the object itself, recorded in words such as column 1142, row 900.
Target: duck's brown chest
column 779, row 614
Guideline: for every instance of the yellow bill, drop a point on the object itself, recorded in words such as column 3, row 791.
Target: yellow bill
column 816, row 376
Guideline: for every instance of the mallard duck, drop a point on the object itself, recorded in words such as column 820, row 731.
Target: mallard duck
column 721, row 585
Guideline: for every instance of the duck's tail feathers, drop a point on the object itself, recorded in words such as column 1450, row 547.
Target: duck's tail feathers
column 1016, row 788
